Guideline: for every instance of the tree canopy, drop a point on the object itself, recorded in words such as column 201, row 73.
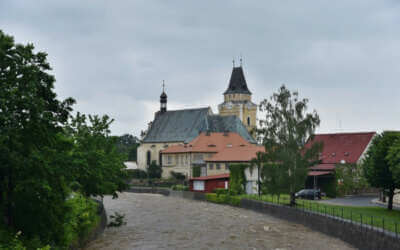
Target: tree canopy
column 44, row 150
column 284, row 132
column 381, row 164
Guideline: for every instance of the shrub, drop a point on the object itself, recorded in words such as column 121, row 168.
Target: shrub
column 237, row 179
column 154, row 171
column 179, row 187
column 220, row 191
column 223, row 199
column 136, row 174
column 178, row 176
column 81, row 217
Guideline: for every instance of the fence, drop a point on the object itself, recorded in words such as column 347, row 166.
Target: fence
column 346, row 214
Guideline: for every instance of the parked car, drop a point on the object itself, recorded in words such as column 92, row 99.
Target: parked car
column 310, row 194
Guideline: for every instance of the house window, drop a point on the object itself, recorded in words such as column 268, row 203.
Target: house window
column 211, row 166
column 169, row 159
column 226, row 167
column 218, row 166
column 198, row 185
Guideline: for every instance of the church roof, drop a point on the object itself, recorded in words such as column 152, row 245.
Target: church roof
column 186, row 124
column 218, row 123
column 176, row 125
column 237, row 83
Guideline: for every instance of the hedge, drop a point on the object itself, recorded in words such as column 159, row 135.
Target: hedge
column 223, row 199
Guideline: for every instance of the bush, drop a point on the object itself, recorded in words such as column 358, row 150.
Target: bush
column 136, row 174
column 179, row 187
column 178, row 176
column 154, row 171
column 220, row 191
column 81, row 218
column 223, row 199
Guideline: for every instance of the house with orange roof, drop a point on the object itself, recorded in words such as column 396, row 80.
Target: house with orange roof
column 186, row 157
column 219, row 163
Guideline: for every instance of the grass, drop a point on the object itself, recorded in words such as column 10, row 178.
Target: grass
column 373, row 216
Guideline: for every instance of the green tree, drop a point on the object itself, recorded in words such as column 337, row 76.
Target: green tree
column 237, row 178
column 284, row 131
column 381, row 163
column 350, row 179
column 128, row 145
column 154, row 171
column 34, row 167
column 98, row 165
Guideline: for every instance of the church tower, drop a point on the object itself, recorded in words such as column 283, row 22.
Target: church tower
column 237, row 100
column 163, row 100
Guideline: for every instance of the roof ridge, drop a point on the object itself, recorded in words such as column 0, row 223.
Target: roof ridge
column 347, row 133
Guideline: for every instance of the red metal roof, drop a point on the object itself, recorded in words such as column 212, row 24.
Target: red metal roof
column 323, row 167
column 318, row 173
column 342, row 146
column 211, row 177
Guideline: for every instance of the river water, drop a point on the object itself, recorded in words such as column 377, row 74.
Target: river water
column 159, row 222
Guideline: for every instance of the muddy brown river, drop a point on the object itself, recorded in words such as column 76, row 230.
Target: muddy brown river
column 159, row 222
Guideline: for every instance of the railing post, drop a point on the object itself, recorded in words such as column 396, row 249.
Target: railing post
column 372, row 222
column 395, row 228
column 351, row 216
column 342, row 214
column 383, row 224
column 325, row 209
column 361, row 221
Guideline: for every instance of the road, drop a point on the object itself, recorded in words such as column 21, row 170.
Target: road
column 158, row 222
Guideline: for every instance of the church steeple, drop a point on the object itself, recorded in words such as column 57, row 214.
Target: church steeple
column 237, row 83
column 163, row 99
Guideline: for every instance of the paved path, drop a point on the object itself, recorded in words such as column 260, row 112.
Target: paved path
column 158, row 222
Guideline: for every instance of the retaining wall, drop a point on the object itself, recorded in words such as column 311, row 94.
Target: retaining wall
column 356, row 234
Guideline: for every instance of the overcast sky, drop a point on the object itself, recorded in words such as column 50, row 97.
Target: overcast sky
column 111, row 56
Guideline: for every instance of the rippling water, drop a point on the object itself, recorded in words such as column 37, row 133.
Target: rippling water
column 158, row 222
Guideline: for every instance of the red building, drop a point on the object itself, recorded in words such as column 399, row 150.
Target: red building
column 207, row 184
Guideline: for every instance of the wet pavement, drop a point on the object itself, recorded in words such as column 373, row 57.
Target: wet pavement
column 159, row 222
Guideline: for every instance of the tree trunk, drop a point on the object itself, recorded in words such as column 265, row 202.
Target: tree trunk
column 390, row 201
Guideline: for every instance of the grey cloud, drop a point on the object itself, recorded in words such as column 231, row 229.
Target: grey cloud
column 112, row 55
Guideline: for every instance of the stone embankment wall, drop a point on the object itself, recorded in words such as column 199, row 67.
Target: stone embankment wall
column 360, row 236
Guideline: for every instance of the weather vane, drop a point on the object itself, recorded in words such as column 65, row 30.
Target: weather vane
column 163, row 85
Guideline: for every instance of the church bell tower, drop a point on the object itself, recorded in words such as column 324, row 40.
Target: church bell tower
column 237, row 100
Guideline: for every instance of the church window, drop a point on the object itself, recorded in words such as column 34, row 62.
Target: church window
column 248, row 121
column 148, row 158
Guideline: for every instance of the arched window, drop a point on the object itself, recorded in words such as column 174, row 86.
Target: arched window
column 248, row 121
column 148, row 158
column 160, row 159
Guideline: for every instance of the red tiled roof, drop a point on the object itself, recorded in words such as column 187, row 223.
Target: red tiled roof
column 211, row 177
column 237, row 154
column 323, row 167
column 342, row 146
column 318, row 173
column 212, row 142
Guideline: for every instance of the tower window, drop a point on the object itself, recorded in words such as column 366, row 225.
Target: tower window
column 148, row 158
column 248, row 121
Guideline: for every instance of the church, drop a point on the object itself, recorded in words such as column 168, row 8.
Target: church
column 237, row 114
